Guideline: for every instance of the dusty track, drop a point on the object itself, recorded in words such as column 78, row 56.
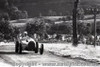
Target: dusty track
column 8, row 56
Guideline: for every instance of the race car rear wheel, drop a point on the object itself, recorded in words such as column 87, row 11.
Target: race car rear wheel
column 36, row 48
column 16, row 47
column 41, row 49
column 20, row 48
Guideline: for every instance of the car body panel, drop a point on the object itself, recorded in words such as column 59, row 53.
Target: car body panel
column 25, row 41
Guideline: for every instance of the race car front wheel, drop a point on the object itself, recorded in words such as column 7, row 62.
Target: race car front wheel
column 16, row 47
column 20, row 48
column 41, row 49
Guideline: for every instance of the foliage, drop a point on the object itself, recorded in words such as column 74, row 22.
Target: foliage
column 11, row 11
column 5, row 16
column 16, row 31
column 15, row 13
column 38, row 26
column 80, row 14
column 84, row 28
column 60, row 29
column 5, row 29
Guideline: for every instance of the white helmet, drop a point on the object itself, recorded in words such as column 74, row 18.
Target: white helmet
column 25, row 33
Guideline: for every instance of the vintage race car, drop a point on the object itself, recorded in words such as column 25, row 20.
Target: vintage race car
column 29, row 44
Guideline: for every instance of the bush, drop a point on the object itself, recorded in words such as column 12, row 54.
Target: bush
column 84, row 29
column 60, row 29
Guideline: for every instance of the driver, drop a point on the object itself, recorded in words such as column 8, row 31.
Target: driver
column 25, row 38
column 25, row 35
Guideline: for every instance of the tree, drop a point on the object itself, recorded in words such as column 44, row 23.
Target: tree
column 15, row 13
column 5, row 16
column 24, row 15
column 53, row 29
column 64, row 29
column 80, row 14
column 38, row 26
column 83, row 29
column 6, row 29
column 60, row 29
column 31, row 28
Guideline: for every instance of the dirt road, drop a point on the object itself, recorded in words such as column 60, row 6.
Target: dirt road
column 8, row 56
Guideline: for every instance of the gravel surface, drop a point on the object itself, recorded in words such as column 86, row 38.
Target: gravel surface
column 30, row 58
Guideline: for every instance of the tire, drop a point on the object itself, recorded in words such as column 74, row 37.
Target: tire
column 36, row 48
column 16, row 47
column 41, row 49
column 31, row 46
column 20, row 48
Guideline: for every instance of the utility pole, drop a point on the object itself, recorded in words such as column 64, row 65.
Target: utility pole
column 95, row 34
column 75, row 40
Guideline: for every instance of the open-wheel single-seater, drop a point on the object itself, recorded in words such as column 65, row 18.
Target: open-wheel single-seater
column 28, row 43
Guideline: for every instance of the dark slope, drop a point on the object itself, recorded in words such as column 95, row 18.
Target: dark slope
column 35, row 7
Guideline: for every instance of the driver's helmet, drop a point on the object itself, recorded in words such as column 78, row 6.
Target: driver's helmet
column 25, row 33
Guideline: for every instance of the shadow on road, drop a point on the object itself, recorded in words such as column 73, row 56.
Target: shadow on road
column 13, row 53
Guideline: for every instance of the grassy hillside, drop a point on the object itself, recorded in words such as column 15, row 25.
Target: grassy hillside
column 35, row 7
column 44, row 6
